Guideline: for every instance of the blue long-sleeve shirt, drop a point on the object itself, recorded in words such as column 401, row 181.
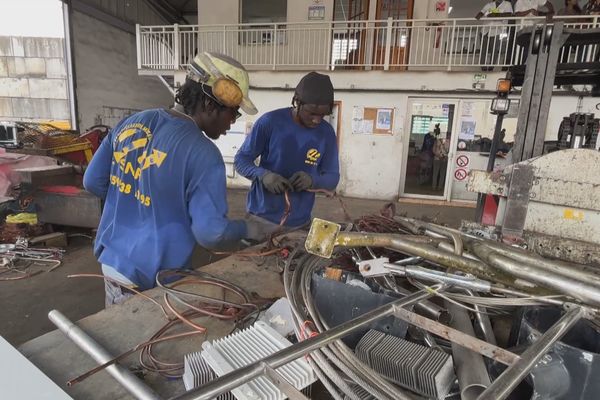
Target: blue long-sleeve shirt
column 163, row 182
column 286, row 147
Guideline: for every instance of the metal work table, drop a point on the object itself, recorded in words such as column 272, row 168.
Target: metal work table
column 120, row 328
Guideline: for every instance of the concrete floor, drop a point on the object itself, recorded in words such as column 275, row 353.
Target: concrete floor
column 24, row 304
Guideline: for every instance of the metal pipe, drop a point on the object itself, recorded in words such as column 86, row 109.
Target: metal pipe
column 448, row 247
column 470, row 368
column 455, row 336
column 417, row 272
column 240, row 376
column 567, row 269
column 136, row 387
column 576, row 289
column 396, row 242
column 483, row 321
column 427, row 307
column 513, row 375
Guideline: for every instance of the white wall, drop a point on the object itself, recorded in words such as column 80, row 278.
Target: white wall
column 106, row 71
column 33, row 83
column 372, row 165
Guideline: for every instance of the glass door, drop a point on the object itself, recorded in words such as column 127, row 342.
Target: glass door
column 428, row 145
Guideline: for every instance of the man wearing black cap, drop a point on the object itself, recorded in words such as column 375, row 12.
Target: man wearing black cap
column 298, row 154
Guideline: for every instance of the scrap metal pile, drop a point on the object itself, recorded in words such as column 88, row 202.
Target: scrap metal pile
column 397, row 308
column 387, row 307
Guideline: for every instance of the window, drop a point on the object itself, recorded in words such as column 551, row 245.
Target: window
column 262, row 14
column 420, row 124
column 263, row 11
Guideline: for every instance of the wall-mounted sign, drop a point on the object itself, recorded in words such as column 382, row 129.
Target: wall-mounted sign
column 316, row 12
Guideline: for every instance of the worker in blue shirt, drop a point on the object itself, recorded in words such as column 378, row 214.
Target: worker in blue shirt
column 298, row 155
column 163, row 179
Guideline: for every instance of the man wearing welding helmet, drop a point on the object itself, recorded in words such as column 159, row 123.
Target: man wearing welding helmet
column 163, row 180
column 298, row 156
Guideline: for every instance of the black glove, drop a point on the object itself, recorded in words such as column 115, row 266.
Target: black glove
column 275, row 183
column 301, row 181
column 256, row 231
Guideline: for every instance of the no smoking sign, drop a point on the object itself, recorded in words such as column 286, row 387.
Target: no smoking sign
column 462, row 161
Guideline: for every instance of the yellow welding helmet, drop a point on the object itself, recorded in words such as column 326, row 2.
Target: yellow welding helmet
column 227, row 78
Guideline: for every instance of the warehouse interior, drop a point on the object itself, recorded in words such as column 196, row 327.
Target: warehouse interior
column 390, row 199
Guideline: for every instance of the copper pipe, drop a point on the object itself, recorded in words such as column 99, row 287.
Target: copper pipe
column 138, row 347
column 122, row 285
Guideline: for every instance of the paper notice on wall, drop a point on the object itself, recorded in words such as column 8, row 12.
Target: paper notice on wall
column 358, row 112
column 467, row 109
column 367, row 126
column 384, row 119
column 467, row 129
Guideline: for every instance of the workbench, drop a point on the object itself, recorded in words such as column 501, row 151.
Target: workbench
column 120, row 328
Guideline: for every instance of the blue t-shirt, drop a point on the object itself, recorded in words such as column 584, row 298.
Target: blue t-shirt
column 164, row 187
column 286, row 147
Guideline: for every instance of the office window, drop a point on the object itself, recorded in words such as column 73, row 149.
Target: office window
column 263, row 11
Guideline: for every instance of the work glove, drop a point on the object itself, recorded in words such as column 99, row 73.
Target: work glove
column 275, row 183
column 256, row 231
column 301, row 181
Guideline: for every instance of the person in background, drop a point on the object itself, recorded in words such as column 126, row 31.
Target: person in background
column 571, row 8
column 441, row 148
column 533, row 8
column 162, row 180
column 493, row 38
column 298, row 154
column 426, row 155
column 592, row 7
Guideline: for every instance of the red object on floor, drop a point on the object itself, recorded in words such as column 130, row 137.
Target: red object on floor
column 490, row 209
column 68, row 190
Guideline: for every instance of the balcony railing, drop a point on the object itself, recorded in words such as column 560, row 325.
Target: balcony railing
column 449, row 44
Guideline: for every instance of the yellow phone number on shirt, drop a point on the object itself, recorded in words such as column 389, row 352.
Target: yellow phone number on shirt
column 125, row 188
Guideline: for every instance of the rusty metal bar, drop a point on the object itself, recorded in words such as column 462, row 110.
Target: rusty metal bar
column 455, row 336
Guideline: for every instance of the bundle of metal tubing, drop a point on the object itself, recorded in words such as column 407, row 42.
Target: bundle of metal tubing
column 482, row 277
column 335, row 364
column 194, row 305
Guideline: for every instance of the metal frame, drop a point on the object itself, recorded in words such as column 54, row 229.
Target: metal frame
column 544, row 50
column 309, row 44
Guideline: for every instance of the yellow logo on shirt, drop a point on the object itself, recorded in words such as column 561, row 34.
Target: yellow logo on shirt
column 312, row 156
column 134, row 137
column 132, row 154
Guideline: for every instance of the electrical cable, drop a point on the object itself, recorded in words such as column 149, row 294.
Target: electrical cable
column 205, row 306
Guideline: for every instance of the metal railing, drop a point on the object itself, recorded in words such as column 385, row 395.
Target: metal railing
column 449, row 44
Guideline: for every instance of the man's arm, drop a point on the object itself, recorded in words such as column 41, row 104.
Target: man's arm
column 253, row 146
column 520, row 11
column 97, row 175
column 548, row 6
column 328, row 171
column 207, row 206
column 505, row 9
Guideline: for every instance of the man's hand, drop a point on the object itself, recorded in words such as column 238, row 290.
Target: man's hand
column 256, row 231
column 301, row 181
column 275, row 183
